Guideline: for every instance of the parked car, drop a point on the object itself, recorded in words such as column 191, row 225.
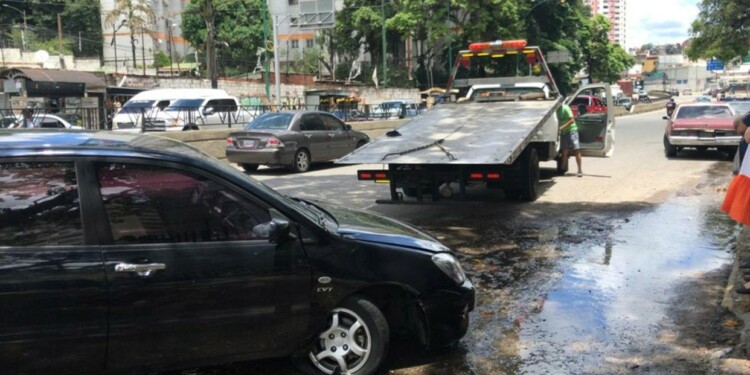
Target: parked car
column 204, row 111
column 131, row 253
column 396, row 109
column 627, row 103
column 148, row 104
column 687, row 92
column 293, row 139
column 583, row 104
column 7, row 121
column 47, row 121
column 703, row 99
column 702, row 126
column 350, row 115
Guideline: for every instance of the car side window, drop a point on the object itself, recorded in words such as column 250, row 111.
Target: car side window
column 332, row 123
column 39, row 205
column 162, row 104
column 150, row 204
column 312, row 123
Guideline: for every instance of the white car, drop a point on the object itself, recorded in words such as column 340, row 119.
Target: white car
column 48, row 121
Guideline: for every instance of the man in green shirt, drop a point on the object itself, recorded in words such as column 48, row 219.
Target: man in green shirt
column 568, row 137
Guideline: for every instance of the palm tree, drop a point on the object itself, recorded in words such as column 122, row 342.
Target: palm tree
column 136, row 15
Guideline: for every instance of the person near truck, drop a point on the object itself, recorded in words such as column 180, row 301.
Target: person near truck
column 737, row 204
column 568, row 137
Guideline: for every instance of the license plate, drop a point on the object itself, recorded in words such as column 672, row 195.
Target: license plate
column 249, row 143
column 706, row 135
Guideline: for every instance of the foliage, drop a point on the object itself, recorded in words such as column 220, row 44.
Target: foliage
column 41, row 23
column 136, row 15
column 161, row 59
column 603, row 61
column 238, row 23
column 721, row 30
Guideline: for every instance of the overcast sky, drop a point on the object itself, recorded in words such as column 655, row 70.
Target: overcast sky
column 659, row 21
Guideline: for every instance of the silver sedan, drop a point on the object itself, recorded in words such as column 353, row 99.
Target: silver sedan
column 293, row 139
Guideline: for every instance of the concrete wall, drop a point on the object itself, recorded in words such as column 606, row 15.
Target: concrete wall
column 14, row 58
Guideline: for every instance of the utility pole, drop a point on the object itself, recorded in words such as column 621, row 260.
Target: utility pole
column 143, row 52
column 450, row 49
column 385, row 69
column 23, row 31
column 59, row 41
column 114, row 43
column 266, row 73
column 211, row 45
column 169, row 46
column 276, row 63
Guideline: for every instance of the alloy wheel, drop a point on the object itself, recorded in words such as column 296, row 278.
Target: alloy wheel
column 344, row 345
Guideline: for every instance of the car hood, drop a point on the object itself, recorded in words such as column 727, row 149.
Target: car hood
column 700, row 123
column 370, row 227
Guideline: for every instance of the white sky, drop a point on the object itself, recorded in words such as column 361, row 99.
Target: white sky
column 659, row 21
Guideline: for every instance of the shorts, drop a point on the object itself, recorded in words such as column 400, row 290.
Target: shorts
column 569, row 141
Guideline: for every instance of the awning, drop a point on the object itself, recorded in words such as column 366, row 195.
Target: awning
column 93, row 82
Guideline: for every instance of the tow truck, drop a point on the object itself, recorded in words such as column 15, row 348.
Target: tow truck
column 499, row 123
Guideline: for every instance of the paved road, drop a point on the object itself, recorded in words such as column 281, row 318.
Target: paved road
column 617, row 272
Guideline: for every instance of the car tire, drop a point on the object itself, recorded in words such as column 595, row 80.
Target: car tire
column 669, row 150
column 190, row 127
column 301, row 161
column 360, row 144
column 357, row 325
column 730, row 151
column 249, row 167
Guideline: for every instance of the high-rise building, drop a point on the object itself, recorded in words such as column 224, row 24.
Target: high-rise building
column 615, row 11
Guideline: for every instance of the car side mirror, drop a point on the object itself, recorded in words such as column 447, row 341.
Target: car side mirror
column 275, row 230
column 348, row 127
column 665, row 118
column 208, row 111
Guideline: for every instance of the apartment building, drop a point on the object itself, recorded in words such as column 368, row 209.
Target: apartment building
column 163, row 35
column 616, row 12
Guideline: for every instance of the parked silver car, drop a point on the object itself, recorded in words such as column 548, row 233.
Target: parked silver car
column 293, row 139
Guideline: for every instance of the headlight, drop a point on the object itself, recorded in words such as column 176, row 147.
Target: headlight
column 448, row 264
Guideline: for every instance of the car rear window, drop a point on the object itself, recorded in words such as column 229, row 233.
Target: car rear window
column 708, row 111
column 276, row 121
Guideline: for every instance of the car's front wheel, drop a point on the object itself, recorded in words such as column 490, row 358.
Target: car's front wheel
column 353, row 341
column 669, row 149
column 250, row 167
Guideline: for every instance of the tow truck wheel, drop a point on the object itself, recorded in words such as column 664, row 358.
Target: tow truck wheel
column 529, row 190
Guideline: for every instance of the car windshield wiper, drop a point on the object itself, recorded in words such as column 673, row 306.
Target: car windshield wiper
column 318, row 211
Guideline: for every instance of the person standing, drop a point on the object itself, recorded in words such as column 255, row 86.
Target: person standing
column 27, row 121
column 568, row 137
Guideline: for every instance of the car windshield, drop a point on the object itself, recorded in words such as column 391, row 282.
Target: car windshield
column 704, row 111
column 740, row 108
column 183, row 104
column 135, row 106
column 705, row 99
column 276, row 121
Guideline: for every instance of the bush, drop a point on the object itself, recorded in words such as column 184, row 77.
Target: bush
column 161, row 59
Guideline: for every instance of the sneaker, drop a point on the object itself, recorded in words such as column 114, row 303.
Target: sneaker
column 580, row 174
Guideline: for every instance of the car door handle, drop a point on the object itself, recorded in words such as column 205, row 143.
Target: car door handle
column 308, row 135
column 140, row 269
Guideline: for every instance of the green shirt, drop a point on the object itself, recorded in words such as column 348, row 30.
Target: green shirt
column 564, row 113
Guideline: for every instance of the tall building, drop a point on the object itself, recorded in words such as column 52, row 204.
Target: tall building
column 616, row 13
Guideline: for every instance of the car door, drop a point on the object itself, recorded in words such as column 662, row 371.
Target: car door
column 192, row 274
column 341, row 140
column 314, row 131
column 52, row 280
column 596, row 129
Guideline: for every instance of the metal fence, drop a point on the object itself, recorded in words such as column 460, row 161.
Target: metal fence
column 188, row 118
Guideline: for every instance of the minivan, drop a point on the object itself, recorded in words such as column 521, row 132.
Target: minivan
column 199, row 112
column 149, row 103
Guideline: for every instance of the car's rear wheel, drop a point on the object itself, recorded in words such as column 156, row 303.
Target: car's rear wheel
column 301, row 162
column 353, row 341
column 669, row 149
column 249, row 167
column 360, row 144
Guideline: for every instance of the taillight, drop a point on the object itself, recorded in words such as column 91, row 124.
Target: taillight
column 373, row 175
column 230, row 141
column 274, row 142
column 476, row 176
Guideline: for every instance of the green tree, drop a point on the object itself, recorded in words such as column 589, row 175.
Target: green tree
column 239, row 30
column 83, row 17
column 603, row 60
column 136, row 15
column 721, row 30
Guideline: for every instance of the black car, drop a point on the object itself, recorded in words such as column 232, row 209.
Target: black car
column 130, row 253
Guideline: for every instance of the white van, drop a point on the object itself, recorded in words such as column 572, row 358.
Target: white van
column 197, row 112
column 149, row 103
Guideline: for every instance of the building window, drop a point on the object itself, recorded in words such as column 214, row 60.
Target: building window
column 293, row 2
column 295, row 44
column 309, row 43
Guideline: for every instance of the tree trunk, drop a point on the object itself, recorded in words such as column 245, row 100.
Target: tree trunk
column 132, row 46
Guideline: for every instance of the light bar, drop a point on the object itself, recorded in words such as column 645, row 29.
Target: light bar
column 516, row 44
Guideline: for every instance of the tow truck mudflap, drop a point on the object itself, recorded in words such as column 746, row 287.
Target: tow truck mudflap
column 432, row 183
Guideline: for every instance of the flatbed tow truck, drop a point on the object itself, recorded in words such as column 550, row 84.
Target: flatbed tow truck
column 499, row 124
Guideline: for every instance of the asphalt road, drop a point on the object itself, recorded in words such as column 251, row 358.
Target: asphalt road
column 618, row 272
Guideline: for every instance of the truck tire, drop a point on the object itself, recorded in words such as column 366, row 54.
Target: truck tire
column 528, row 167
column 529, row 190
